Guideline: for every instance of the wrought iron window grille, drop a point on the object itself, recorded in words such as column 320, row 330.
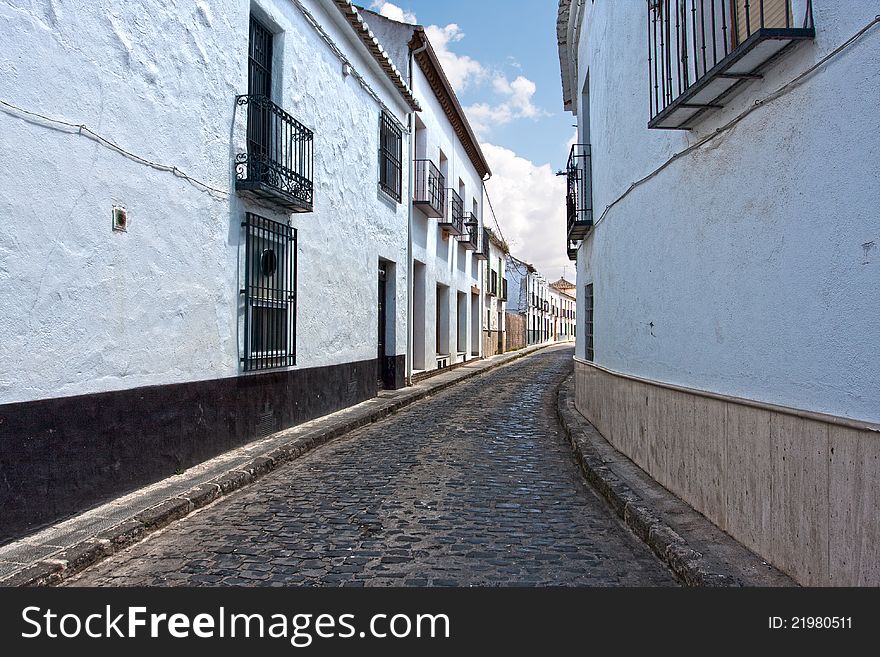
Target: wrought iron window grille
column 269, row 294
column 390, row 157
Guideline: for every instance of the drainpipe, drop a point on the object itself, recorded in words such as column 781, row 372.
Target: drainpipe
column 409, row 255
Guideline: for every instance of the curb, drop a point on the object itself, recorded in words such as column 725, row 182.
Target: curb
column 687, row 564
column 54, row 569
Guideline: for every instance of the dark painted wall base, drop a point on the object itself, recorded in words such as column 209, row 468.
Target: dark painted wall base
column 62, row 456
column 394, row 372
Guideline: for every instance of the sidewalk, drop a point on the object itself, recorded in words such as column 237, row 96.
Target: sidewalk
column 61, row 550
column 697, row 551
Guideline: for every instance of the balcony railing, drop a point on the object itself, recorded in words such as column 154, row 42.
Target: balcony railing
column 579, row 200
column 453, row 219
column 429, row 193
column 699, row 51
column 572, row 249
column 278, row 164
column 482, row 252
column 471, row 237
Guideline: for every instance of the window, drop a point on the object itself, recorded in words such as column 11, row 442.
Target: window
column 588, row 322
column 390, row 156
column 277, row 165
column 270, row 294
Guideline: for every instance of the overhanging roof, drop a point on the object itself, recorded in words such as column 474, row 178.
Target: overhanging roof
column 440, row 85
column 563, row 20
column 354, row 18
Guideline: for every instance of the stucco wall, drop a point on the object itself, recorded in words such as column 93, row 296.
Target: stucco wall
column 85, row 309
column 446, row 261
column 746, row 267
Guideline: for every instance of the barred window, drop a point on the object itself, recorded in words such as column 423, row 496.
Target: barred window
column 390, row 157
column 270, row 294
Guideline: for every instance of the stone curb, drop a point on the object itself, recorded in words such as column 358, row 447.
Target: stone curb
column 688, row 565
column 56, row 568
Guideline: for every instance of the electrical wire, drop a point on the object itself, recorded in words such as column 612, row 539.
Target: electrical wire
column 86, row 131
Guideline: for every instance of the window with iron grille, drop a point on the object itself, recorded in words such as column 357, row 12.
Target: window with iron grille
column 270, row 294
column 588, row 322
column 390, row 156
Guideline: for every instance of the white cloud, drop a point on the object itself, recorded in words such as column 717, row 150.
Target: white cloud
column 392, row 11
column 529, row 200
column 516, row 103
column 461, row 70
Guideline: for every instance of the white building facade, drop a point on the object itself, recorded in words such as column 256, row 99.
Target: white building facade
column 446, row 220
column 529, row 295
column 563, row 311
column 205, row 201
column 729, row 311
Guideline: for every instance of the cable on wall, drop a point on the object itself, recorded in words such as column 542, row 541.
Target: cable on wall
column 733, row 122
column 86, row 131
column 311, row 20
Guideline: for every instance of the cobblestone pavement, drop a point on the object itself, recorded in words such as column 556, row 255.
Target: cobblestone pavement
column 474, row 486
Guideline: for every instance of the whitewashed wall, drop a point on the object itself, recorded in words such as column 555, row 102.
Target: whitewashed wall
column 446, row 262
column 84, row 309
column 745, row 268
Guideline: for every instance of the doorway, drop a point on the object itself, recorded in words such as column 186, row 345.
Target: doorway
column 382, row 366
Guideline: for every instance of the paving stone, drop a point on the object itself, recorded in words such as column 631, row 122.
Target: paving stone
column 474, row 485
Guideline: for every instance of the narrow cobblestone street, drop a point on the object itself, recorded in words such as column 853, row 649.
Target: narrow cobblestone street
column 474, row 486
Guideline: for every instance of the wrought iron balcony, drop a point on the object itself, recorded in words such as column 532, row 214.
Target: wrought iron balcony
column 453, row 220
column 429, row 193
column 482, row 252
column 700, row 51
column 492, row 283
column 278, row 164
column 579, row 199
column 471, row 237
column 572, row 249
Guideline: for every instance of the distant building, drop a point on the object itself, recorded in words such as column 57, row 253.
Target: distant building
column 722, row 207
column 563, row 310
column 446, row 225
column 495, row 295
column 538, row 302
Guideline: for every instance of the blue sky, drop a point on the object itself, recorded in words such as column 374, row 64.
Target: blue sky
column 516, row 37
column 501, row 57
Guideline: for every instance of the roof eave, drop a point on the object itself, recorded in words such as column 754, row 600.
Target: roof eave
column 363, row 31
column 430, row 65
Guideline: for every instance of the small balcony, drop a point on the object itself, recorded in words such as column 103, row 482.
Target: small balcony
column 453, row 219
column 492, row 283
column 482, row 252
column 579, row 198
column 572, row 249
column 278, row 164
column 429, row 194
column 700, row 51
column 471, row 237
